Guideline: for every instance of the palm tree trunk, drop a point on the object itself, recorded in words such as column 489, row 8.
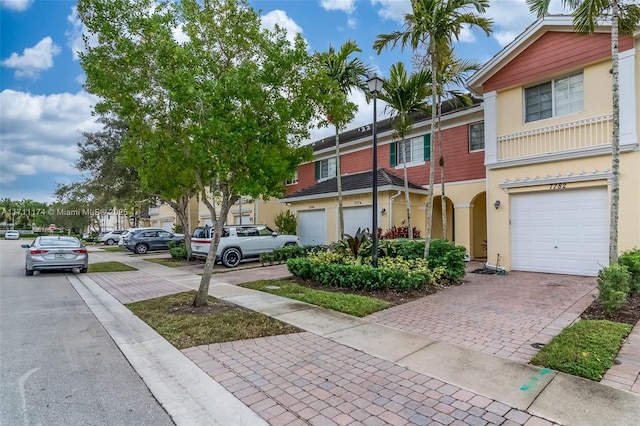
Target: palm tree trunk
column 339, row 184
column 406, row 198
column 432, row 168
column 443, row 199
column 615, row 140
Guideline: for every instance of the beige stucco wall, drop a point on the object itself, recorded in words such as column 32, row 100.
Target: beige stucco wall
column 629, row 216
column 597, row 102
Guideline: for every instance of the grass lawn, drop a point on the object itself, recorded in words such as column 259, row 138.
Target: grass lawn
column 171, row 262
column 111, row 248
column 110, row 267
column 184, row 326
column 358, row 306
column 586, row 348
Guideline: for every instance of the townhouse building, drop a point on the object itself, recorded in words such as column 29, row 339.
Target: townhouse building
column 314, row 197
column 548, row 132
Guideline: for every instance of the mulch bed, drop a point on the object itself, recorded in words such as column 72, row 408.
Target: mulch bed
column 628, row 314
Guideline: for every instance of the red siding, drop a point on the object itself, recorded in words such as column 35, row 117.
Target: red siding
column 554, row 53
column 460, row 164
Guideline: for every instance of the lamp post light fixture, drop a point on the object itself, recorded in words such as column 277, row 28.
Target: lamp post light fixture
column 374, row 84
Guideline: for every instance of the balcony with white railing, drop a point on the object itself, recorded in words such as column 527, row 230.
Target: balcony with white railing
column 572, row 136
column 154, row 211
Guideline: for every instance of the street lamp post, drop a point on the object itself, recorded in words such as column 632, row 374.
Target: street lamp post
column 374, row 84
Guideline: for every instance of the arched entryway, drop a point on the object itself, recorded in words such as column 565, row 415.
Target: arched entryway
column 436, row 223
column 479, row 226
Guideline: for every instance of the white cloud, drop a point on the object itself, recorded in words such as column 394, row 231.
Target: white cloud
column 17, row 5
column 33, row 59
column 280, row 18
column 393, row 9
column 40, row 132
column 346, row 6
column 352, row 23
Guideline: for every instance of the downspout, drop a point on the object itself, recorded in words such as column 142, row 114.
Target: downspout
column 390, row 210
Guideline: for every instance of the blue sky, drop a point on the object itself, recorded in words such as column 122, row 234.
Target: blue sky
column 43, row 107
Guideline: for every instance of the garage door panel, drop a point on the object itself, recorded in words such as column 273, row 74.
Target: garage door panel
column 313, row 227
column 357, row 217
column 561, row 232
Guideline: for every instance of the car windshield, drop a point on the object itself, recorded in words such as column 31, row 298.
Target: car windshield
column 59, row 241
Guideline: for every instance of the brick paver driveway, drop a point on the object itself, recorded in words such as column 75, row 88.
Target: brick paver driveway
column 495, row 314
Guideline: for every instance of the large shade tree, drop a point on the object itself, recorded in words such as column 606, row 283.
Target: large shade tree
column 405, row 95
column 239, row 98
column 431, row 27
column 348, row 74
column 624, row 19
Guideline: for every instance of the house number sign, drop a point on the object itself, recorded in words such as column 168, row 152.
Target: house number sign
column 557, row 186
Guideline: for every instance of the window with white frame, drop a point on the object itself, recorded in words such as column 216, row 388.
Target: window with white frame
column 293, row 180
column 562, row 96
column 410, row 150
column 326, row 169
column 476, row 136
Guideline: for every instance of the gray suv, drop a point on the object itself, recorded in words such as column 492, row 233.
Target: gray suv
column 140, row 241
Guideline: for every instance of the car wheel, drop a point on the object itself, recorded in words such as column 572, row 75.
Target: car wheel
column 141, row 249
column 290, row 244
column 110, row 242
column 231, row 257
column 83, row 270
column 28, row 272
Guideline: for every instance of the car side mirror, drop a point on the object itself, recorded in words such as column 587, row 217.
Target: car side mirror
column 25, row 245
column 274, row 234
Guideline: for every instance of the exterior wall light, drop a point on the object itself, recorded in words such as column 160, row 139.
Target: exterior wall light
column 496, row 204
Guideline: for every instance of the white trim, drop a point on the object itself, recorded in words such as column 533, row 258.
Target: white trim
column 460, row 182
column 490, row 128
column 628, row 101
column 558, row 156
column 410, row 164
column 548, row 180
column 353, row 192
column 463, row 206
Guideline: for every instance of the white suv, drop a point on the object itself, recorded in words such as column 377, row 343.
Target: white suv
column 239, row 242
column 112, row 237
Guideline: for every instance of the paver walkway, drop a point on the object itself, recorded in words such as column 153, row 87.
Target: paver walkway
column 496, row 314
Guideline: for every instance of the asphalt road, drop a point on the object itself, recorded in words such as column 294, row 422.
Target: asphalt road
column 58, row 364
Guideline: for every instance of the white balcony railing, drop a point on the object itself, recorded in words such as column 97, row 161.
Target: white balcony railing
column 565, row 137
column 154, row 211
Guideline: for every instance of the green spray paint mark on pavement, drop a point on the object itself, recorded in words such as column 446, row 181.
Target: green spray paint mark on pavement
column 535, row 379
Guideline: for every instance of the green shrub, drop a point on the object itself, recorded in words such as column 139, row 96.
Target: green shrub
column 285, row 253
column 409, row 249
column 286, row 223
column 631, row 259
column 613, row 285
column 178, row 252
column 444, row 254
column 329, row 269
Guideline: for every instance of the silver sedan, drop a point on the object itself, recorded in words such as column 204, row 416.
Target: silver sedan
column 59, row 252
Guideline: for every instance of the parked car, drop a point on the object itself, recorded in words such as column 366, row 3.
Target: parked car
column 55, row 252
column 125, row 236
column 140, row 241
column 111, row 237
column 12, row 235
column 239, row 242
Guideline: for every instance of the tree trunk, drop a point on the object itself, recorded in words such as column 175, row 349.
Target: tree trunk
column 406, row 198
column 443, row 199
column 615, row 140
column 339, row 184
column 432, row 168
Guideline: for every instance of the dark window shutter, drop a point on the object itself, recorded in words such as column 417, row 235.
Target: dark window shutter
column 392, row 154
column 427, row 147
column 317, row 170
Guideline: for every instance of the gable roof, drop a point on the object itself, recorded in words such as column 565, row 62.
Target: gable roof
column 562, row 23
column 355, row 183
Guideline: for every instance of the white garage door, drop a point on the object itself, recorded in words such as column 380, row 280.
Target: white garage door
column 356, row 217
column 564, row 231
column 313, row 227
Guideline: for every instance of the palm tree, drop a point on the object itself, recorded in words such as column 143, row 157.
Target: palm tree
column 452, row 75
column 348, row 74
column 624, row 19
column 404, row 96
column 432, row 26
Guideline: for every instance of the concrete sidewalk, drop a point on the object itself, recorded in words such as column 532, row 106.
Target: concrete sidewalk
column 346, row 370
